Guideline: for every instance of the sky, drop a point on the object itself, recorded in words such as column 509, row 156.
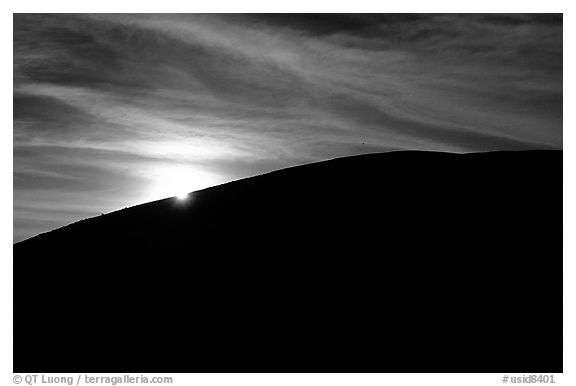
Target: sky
column 115, row 110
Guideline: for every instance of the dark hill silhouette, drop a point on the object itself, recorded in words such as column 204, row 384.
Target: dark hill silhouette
column 395, row 262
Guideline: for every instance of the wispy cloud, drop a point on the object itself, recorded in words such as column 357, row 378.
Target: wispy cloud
column 115, row 98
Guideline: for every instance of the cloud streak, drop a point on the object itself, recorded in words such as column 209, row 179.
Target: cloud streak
column 115, row 98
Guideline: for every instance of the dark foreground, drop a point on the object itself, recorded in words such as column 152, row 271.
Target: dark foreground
column 398, row 262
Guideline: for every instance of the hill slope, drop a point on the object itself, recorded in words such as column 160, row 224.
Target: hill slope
column 396, row 262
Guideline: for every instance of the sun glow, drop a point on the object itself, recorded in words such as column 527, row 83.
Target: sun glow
column 182, row 196
column 179, row 182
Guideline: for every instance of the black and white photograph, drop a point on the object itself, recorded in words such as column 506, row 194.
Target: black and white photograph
column 287, row 193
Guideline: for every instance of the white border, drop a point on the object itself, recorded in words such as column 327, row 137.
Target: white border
column 245, row 6
column 302, row 6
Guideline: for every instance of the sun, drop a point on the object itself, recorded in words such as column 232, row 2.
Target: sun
column 181, row 196
column 179, row 182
